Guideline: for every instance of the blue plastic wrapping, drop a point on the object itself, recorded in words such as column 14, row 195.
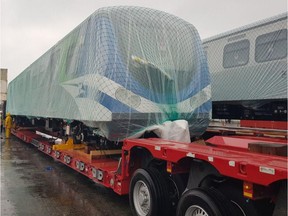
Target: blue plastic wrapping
column 122, row 70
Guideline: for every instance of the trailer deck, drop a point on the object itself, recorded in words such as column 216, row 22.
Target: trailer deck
column 229, row 155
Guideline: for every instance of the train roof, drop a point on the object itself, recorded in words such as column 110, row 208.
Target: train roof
column 266, row 21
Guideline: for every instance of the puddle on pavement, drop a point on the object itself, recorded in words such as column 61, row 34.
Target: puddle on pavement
column 32, row 183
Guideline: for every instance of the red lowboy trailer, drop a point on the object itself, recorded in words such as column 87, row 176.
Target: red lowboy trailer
column 248, row 172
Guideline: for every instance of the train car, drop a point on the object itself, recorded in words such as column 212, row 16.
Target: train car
column 121, row 71
column 248, row 68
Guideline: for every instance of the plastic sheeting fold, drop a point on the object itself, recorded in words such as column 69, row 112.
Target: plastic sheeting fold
column 122, row 70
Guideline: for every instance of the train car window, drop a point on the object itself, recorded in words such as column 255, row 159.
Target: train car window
column 236, row 54
column 271, row 46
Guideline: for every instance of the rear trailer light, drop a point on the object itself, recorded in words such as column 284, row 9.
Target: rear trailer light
column 248, row 189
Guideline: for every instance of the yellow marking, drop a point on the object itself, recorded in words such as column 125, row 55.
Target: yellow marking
column 68, row 145
column 249, row 195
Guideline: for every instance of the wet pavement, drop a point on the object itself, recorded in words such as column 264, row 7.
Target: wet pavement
column 32, row 183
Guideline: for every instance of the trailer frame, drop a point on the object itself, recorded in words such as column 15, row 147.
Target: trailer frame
column 226, row 156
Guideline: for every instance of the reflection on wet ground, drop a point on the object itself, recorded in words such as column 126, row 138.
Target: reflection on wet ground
column 32, row 183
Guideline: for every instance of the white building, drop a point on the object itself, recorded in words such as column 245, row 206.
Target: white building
column 3, row 87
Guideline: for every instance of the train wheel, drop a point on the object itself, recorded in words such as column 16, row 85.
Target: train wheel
column 203, row 202
column 148, row 193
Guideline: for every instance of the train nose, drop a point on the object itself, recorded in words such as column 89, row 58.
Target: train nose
column 159, row 82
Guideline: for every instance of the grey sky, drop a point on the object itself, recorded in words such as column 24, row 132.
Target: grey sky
column 30, row 27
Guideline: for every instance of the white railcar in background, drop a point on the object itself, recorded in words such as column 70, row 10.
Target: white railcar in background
column 248, row 69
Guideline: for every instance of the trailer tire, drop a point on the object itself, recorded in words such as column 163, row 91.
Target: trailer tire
column 281, row 201
column 241, row 206
column 203, row 201
column 148, row 194
column 176, row 187
column 164, row 204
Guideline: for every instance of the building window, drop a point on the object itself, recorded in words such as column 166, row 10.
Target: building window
column 236, row 54
column 271, row 46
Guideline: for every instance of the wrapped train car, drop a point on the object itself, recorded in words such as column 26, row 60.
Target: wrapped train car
column 123, row 70
column 248, row 68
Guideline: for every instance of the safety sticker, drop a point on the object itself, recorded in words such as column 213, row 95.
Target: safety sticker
column 190, row 155
column 157, row 148
column 232, row 163
column 267, row 170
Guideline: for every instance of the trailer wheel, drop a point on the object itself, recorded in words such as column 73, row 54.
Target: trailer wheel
column 175, row 189
column 203, row 202
column 148, row 193
column 241, row 206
